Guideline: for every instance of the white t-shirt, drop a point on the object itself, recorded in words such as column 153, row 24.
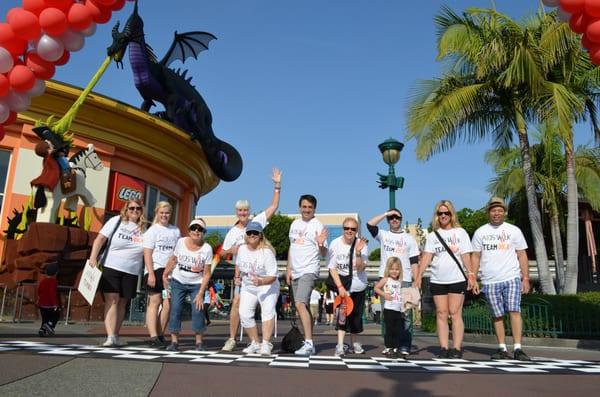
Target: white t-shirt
column 338, row 257
column 190, row 264
column 161, row 240
column 126, row 252
column 394, row 288
column 330, row 297
column 304, row 250
column 236, row 235
column 260, row 263
column 498, row 246
column 443, row 268
column 401, row 245
column 315, row 296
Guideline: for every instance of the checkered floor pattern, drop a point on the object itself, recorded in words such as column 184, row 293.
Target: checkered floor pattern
column 364, row 363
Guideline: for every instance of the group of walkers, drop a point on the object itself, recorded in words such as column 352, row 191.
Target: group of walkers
column 178, row 266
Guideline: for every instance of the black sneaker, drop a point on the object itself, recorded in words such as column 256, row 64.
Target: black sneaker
column 173, row 347
column 521, row 356
column 455, row 353
column 42, row 332
column 444, row 353
column 155, row 342
column 501, row 354
column 162, row 340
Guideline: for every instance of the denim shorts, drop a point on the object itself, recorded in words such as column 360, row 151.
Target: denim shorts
column 503, row 297
column 178, row 293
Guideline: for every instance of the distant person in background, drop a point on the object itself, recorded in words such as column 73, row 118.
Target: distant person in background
column 447, row 282
column 48, row 301
column 159, row 243
column 123, row 264
column 376, row 308
column 501, row 251
column 328, row 303
column 315, row 296
column 397, row 243
column 236, row 237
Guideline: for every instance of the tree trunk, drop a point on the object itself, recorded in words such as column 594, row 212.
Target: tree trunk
column 559, row 263
column 572, row 223
column 535, row 219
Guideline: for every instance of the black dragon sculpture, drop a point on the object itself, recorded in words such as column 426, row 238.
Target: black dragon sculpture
column 184, row 106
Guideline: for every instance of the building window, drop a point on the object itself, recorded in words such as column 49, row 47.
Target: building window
column 4, row 163
column 153, row 196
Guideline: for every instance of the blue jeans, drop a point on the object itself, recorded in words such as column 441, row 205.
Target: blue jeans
column 178, row 293
column 406, row 336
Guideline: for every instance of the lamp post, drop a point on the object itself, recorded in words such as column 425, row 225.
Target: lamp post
column 390, row 149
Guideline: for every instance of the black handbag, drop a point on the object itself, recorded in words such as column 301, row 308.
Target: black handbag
column 469, row 295
column 103, row 253
column 345, row 280
column 293, row 340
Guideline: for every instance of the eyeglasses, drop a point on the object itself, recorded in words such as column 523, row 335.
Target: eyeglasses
column 447, row 213
column 196, row 228
column 134, row 208
column 347, row 228
column 252, row 233
column 392, row 217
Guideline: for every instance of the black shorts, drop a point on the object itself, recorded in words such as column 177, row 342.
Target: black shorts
column 354, row 322
column 329, row 308
column 116, row 281
column 158, row 286
column 445, row 289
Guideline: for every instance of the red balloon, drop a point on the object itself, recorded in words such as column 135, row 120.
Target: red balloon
column 586, row 42
column 12, row 117
column 41, row 68
column 592, row 8
column 79, row 17
column 63, row 59
column 35, row 6
column 105, row 3
column 100, row 13
column 10, row 41
column 62, row 5
column 4, row 85
column 21, row 78
column 53, row 21
column 593, row 31
column 119, row 4
column 2, row 133
column 579, row 22
column 24, row 23
column 572, row 6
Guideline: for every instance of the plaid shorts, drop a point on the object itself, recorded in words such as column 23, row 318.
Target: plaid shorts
column 503, row 297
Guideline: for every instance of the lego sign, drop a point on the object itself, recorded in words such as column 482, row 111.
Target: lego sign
column 124, row 188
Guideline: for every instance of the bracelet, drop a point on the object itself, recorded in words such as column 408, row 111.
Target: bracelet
column 339, row 286
column 525, row 278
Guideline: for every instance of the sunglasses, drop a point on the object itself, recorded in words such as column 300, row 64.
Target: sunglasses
column 347, row 228
column 252, row 233
column 196, row 228
column 134, row 208
column 392, row 217
column 447, row 213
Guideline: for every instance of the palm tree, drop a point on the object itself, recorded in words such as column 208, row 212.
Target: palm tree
column 492, row 89
column 551, row 181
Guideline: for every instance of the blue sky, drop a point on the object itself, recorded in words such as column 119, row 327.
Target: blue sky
column 311, row 87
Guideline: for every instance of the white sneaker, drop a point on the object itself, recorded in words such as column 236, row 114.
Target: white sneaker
column 339, row 350
column 387, row 350
column 111, row 341
column 119, row 342
column 229, row 345
column 265, row 348
column 358, row 349
column 306, row 350
column 252, row 348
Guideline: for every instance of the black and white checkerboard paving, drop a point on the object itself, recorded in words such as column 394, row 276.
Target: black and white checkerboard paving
column 537, row 366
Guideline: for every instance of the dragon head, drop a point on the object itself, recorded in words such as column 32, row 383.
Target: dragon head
column 132, row 31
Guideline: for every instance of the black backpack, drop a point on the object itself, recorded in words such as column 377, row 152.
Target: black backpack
column 293, row 340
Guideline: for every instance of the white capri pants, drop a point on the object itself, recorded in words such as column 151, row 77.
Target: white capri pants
column 265, row 295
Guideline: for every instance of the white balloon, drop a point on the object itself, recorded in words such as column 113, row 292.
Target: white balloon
column 38, row 88
column 49, row 48
column 4, row 112
column 6, row 60
column 73, row 41
column 90, row 30
column 551, row 3
column 563, row 16
column 17, row 101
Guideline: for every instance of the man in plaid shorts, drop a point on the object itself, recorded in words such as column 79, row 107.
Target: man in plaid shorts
column 500, row 249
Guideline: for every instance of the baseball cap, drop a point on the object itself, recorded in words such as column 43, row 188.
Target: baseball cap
column 495, row 202
column 254, row 226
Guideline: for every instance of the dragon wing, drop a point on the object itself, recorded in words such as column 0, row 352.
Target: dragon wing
column 185, row 45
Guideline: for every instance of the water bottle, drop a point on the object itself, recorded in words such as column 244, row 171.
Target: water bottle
column 342, row 313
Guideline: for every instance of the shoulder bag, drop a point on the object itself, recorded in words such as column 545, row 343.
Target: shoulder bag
column 293, row 340
column 104, row 250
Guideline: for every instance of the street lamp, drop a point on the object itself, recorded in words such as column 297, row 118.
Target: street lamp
column 390, row 149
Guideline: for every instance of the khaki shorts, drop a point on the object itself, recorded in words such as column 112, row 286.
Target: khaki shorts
column 302, row 288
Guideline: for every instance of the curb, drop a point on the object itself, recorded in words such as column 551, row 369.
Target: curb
column 585, row 344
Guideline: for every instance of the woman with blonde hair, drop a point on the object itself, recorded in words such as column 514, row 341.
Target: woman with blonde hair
column 159, row 243
column 256, row 265
column 123, row 261
column 448, row 249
